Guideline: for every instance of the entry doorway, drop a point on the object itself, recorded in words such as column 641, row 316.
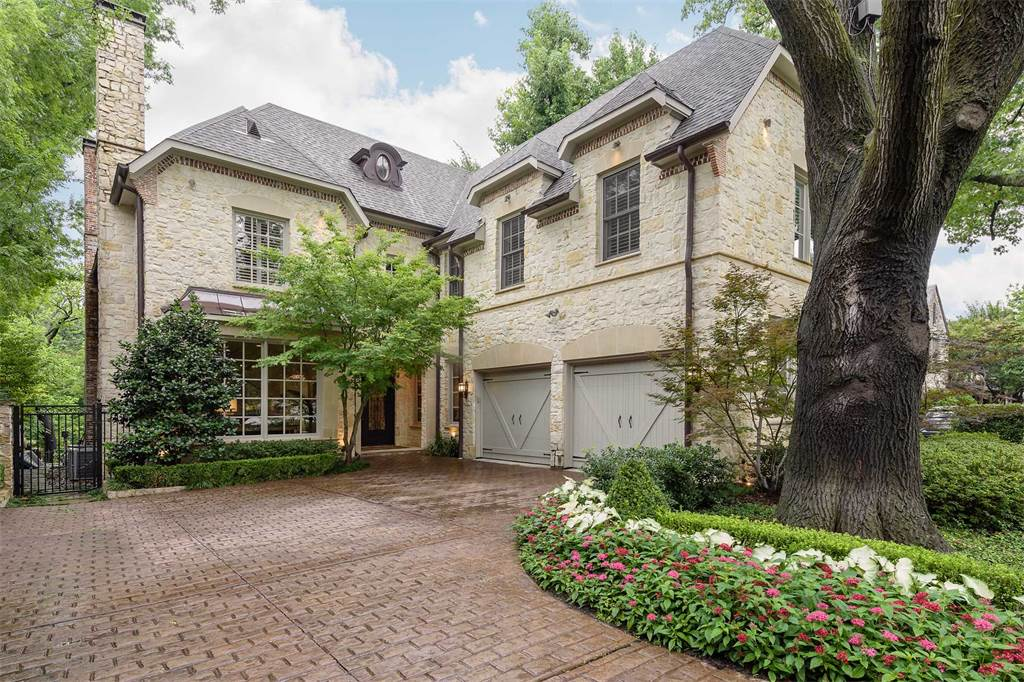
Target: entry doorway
column 378, row 425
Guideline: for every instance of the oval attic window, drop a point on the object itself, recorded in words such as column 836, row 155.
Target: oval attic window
column 383, row 167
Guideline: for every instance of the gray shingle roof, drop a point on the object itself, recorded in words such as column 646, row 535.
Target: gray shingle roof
column 711, row 75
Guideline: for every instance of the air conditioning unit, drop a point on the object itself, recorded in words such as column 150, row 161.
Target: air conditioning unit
column 81, row 462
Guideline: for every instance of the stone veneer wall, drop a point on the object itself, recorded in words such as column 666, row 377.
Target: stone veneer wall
column 6, row 453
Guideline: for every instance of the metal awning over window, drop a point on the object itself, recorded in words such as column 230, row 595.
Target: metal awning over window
column 223, row 303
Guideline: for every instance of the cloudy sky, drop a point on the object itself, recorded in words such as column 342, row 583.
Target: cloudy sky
column 422, row 75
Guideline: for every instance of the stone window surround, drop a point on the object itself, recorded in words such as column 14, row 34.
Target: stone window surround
column 285, row 238
column 320, row 383
column 600, row 258
column 500, row 250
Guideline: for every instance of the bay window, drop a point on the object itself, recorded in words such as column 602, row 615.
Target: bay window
column 280, row 400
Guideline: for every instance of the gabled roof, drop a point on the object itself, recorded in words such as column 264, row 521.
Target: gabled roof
column 709, row 78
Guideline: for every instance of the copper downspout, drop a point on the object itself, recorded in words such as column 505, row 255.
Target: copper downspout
column 691, row 209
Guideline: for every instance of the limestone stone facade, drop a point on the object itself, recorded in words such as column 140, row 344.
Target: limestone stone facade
column 573, row 307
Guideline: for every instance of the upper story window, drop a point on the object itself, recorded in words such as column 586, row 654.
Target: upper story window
column 513, row 256
column 252, row 233
column 803, row 243
column 454, row 271
column 621, row 216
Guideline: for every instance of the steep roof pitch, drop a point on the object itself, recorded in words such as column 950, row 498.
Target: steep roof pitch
column 321, row 151
column 712, row 75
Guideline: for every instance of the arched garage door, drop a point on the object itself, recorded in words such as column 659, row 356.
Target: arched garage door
column 515, row 417
column 612, row 405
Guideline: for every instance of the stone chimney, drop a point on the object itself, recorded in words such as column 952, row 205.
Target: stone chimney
column 109, row 232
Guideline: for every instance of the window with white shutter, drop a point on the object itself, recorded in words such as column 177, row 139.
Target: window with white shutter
column 621, row 203
column 253, row 233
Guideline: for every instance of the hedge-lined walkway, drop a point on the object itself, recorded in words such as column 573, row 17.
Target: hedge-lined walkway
column 404, row 570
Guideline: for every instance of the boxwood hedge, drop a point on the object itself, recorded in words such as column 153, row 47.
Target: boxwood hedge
column 1005, row 581
column 229, row 472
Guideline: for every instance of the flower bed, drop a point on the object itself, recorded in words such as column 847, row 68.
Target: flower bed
column 801, row 615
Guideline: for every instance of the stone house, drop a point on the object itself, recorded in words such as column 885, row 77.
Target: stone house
column 579, row 245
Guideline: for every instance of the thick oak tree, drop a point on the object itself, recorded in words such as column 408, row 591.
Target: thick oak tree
column 893, row 117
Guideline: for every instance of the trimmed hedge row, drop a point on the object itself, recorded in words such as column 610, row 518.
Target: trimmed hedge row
column 231, row 472
column 1004, row 581
column 259, row 449
column 1006, row 421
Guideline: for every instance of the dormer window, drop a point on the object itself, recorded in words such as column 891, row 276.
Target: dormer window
column 381, row 163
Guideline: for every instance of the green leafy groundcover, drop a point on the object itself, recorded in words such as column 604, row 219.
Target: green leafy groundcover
column 230, row 472
column 780, row 618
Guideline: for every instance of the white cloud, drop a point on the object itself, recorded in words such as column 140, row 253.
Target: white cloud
column 641, row 10
column 307, row 59
column 480, row 18
column 973, row 277
column 676, row 38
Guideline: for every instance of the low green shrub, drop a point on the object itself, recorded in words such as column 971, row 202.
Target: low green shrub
column 443, row 445
column 1006, row 421
column 946, row 397
column 1004, row 580
column 974, row 480
column 690, row 477
column 634, row 494
column 229, row 472
column 261, row 449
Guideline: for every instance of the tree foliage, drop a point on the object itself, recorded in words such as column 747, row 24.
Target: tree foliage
column 553, row 49
column 986, row 349
column 359, row 311
column 465, row 161
column 738, row 375
column 990, row 202
column 174, row 384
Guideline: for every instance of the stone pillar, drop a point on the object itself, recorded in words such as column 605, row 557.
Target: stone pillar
column 557, row 411
column 120, row 138
column 6, row 452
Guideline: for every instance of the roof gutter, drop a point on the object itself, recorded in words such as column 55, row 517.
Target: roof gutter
column 670, row 149
column 116, row 192
column 691, row 210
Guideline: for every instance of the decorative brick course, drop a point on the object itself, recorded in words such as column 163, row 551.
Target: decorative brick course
column 507, row 188
column 628, row 127
column 561, row 215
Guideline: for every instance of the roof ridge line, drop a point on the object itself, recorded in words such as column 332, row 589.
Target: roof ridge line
column 203, row 125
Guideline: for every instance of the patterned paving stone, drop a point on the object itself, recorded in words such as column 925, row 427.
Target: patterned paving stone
column 403, row 571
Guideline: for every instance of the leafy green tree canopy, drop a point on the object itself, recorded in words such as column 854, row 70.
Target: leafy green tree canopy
column 552, row 49
column 990, row 202
column 358, row 310
column 986, row 349
column 174, row 384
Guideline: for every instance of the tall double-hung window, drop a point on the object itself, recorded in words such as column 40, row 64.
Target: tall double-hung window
column 271, row 401
column 803, row 243
column 621, row 212
column 253, row 235
column 513, row 250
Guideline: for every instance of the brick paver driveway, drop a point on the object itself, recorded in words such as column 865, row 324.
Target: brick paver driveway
column 405, row 570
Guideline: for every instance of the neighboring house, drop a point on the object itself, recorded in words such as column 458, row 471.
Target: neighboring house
column 938, row 342
column 580, row 245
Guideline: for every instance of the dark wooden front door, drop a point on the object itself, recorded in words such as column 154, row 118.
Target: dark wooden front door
column 378, row 426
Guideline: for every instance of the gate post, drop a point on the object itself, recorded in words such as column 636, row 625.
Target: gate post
column 7, row 435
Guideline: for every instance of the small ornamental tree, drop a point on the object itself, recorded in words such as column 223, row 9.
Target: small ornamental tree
column 361, row 313
column 174, row 384
column 738, row 376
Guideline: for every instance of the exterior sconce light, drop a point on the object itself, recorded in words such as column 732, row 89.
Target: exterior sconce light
column 616, row 144
column 767, row 123
column 551, row 314
column 453, row 430
column 462, row 387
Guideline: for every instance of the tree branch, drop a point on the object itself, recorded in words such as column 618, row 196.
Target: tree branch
column 999, row 179
column 986, row 57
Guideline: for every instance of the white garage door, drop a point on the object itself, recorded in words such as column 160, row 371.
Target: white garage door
column 515, row 417
column 612, row 405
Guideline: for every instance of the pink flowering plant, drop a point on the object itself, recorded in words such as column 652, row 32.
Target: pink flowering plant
column 802, row 616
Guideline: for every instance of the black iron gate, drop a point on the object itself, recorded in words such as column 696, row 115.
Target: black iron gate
column 59, row 448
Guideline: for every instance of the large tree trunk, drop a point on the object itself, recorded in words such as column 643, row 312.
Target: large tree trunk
column 887, row 147
column 854, row 462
